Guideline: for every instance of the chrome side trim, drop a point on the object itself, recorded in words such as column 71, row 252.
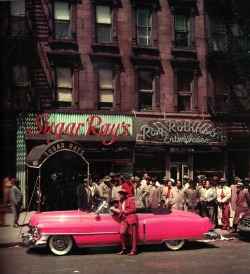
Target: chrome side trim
column 80, row 233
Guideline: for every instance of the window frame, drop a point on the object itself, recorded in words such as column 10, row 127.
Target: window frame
column 147, row 91
column 18, row 20
column 181, row 75
column 104, row 24
column 62, row 21
column 186, row 32
column 108, row 89
column 23, row 69
column 64, row 104
column 148, row 28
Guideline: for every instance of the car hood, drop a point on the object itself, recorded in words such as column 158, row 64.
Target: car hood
column 59, row 216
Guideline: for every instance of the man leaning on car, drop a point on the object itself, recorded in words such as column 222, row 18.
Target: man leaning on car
column 126, row 210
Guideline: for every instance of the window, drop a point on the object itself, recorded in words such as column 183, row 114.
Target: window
column 146, row 90
column 17, row 12
column 61, row 20
column 103, row 24
column 182, row 31
column 64, row 81
column 106, row 88
column 219, row 35
column 144, row 27
column 19, row 76
column 220, row 94
column 184, row 91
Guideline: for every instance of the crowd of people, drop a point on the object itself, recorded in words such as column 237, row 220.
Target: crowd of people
column 208, row 197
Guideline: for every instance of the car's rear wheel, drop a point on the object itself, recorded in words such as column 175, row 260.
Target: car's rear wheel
column 60, row 244
column 174, row 244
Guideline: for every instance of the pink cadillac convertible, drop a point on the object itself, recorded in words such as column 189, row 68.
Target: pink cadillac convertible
column 61, row 230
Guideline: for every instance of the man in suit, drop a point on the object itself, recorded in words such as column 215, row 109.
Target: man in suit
column 105, row 188
column 16, row 201
column 208, row 198
column 84, row 196
column 176, row 197
column 154, row 197
column 36, row 199
column 223, row 199
column 166, row 194
column 141, row 193
column 192, row 197
column 242, row 203
column 126, row 211
column 116, row 187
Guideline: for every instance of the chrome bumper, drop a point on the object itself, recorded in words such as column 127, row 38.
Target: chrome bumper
column 211, row 235
column 31, row 240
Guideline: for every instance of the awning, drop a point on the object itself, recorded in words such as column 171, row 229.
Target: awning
column 39, row 154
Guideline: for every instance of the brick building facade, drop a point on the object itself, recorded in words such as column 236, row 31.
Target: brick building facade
column 183, row 64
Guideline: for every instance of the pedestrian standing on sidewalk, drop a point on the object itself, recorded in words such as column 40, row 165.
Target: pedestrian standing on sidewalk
column 154, row 197
column 116, row 187
column 176, row 197
column 129, row 186
column 208, row 197
column 166, row 194
column 242, row 204
column 191, row 197
column 105, row 188
column 141, row 193
column 214, row 184
column 16, row 198
column 223, row 199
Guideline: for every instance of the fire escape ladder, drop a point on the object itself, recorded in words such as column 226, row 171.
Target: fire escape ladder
column 41, row 75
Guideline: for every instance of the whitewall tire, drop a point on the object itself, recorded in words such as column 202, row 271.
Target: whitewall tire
column 174, row 244
column 60, row 244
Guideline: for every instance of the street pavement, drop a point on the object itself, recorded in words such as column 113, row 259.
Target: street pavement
column 226, row 255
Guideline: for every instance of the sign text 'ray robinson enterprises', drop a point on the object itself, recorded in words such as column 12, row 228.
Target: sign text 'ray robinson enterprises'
column 93, row 125
column 176, row 132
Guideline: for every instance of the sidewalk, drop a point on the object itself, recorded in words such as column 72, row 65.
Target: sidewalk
column 9, row 234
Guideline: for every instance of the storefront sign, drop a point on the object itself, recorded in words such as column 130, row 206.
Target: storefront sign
column 60, row 146
column 92, row 125
column 176, row 132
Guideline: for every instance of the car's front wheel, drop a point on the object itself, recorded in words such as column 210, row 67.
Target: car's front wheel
column 60, row 244
column 174, row 244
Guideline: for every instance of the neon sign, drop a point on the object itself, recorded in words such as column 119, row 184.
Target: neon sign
column 92, row 126
column 188, row 132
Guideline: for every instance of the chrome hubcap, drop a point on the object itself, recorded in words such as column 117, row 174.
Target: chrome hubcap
column 174, row 243
column 60, row 243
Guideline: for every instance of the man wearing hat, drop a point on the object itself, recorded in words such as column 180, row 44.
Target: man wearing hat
column 129, row 186
column 154, row 197
column 104, row 188
column 242, row 204
column 185, row 181
column 84, row 196
column 176, row 197
column 126, row 211
column 141, row 193
column 166, row 193
column 16, row 198
column 223, row 199
column 116, row 187
column 191, row 197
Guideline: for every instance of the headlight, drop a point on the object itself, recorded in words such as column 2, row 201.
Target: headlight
column 36, row 232
column 241, row 215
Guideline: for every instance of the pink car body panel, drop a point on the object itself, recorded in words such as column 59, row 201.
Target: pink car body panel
column 89, row 229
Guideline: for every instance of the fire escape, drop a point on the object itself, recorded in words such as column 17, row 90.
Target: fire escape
column 229, row 58
column 41, row 77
